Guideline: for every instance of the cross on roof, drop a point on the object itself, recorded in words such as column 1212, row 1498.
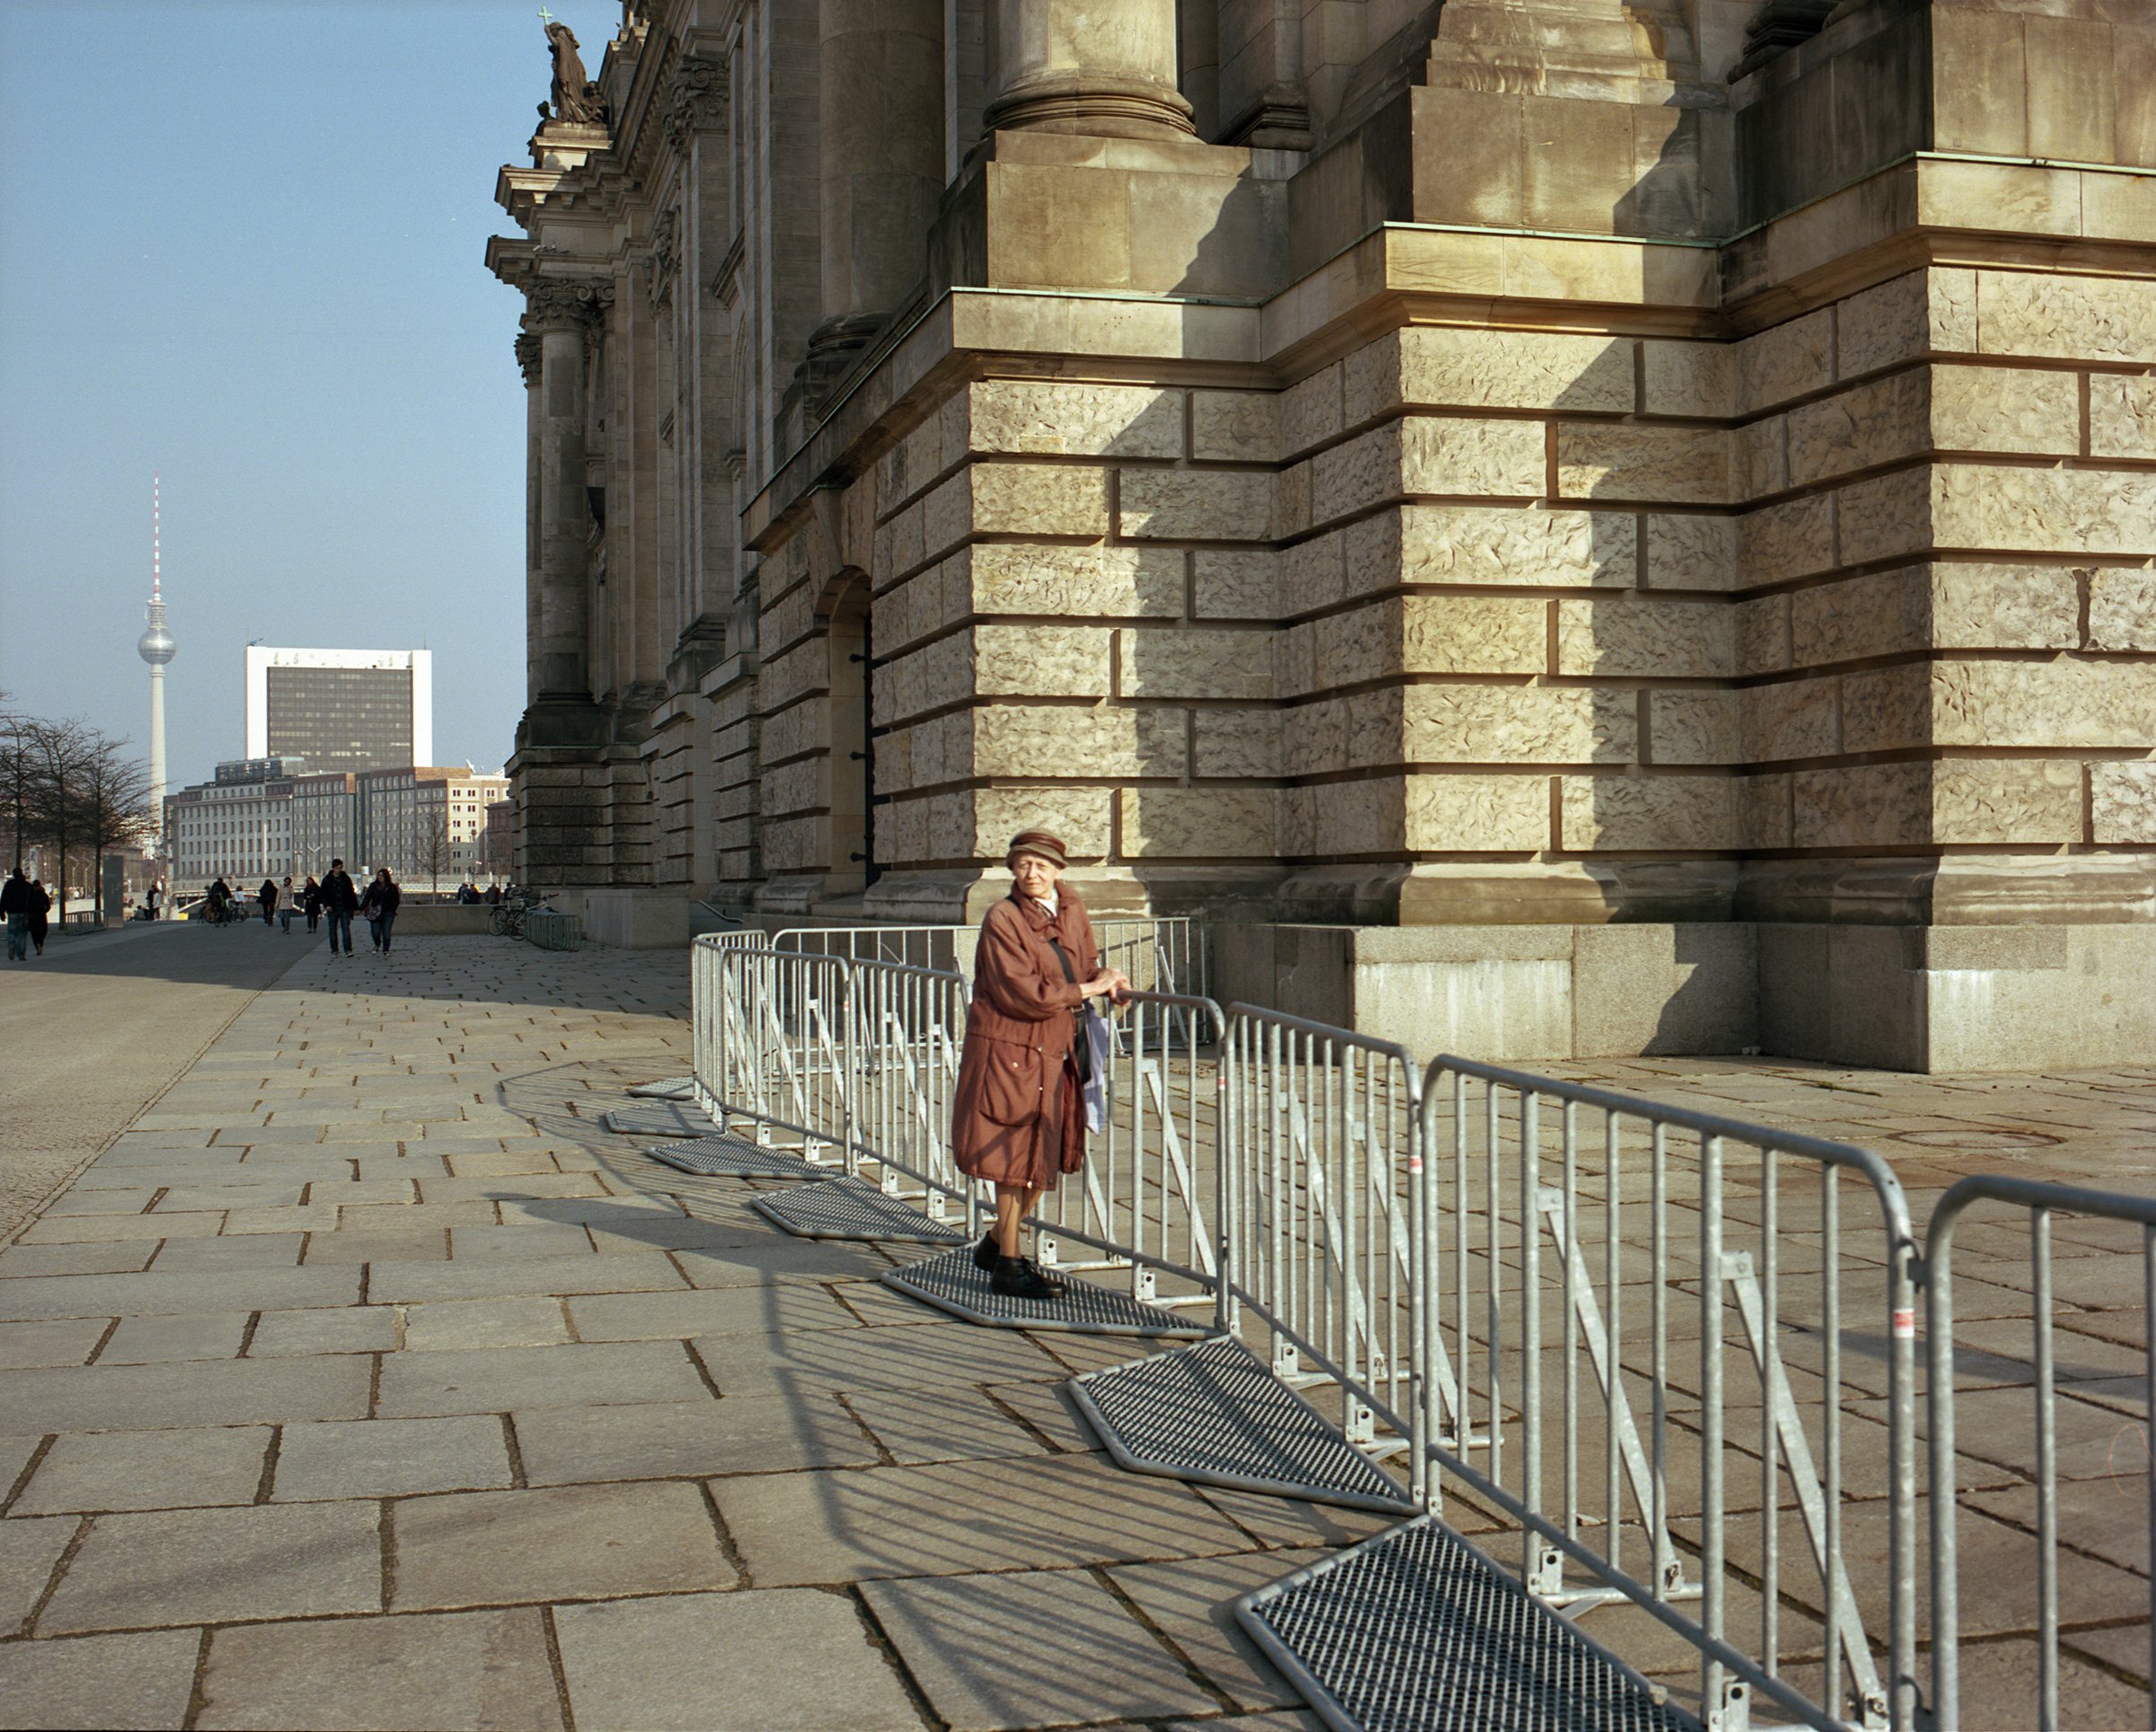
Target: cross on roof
column 546, row 17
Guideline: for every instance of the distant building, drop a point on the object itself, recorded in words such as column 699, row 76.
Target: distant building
column 423, row 821
column 353, row 709
column 325, row 821
column 239, row 826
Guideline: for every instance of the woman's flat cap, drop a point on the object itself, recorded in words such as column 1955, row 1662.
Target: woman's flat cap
column 1048, row 847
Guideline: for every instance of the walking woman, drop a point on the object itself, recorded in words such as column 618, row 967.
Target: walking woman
column 381, row 907
column 287, row 901
column 312, row 895
column 1016, row 1117
column 267, row 896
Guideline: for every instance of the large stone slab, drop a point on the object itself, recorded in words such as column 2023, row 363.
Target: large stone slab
column 654, row 1440
column 930, row 1356
column 556, row 1542
column 136, row 1296
column 142, row 1680
column 474, row 1669
column 29, row 1548
column 645, row 1665
column 104, row 1398
column 494, row 1379
column 213, row 1566
column 147, row 1470
column 389, row 1458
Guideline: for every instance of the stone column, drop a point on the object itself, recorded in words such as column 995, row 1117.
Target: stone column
column 559, row 314
column 1102, row 67
column 528, row 364
column 880, row 65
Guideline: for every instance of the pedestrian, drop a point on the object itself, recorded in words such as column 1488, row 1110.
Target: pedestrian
column 220, row 901
column 1016, row 1116
column 150, row 899
column 339, row 899
column 269, row 897
column 494, row 894
column 41, row 904
column 14, row 903
column 381, row 906
column 287, row 901
column 311, row 895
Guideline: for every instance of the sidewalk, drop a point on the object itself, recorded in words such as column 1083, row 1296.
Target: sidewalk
column 367, row 1382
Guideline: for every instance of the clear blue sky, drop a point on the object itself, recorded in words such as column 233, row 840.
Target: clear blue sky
column 241, row 245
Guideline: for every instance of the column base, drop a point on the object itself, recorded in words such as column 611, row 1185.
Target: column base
column 1098, row 105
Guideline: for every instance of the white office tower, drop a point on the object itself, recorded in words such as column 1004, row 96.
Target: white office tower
column 156, row 646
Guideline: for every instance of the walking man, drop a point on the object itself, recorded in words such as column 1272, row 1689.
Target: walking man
column 339, row 899
column 269, row 899
column 14, row 903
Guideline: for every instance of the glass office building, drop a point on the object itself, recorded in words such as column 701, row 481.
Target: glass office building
column 341, row 710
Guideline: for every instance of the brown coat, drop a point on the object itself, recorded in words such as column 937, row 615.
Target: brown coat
column 1015, row 1117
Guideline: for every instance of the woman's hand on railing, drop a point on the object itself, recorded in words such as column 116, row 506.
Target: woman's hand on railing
column 1107, row 983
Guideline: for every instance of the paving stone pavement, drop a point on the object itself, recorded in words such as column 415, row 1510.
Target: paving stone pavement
column 363, row 1380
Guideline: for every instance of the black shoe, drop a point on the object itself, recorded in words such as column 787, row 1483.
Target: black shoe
column 1016, row 1279
column 986, row 1252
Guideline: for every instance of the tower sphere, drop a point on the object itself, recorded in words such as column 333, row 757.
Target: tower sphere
column 156, row 646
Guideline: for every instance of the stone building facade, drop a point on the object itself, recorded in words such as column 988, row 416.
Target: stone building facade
column 1561, row 527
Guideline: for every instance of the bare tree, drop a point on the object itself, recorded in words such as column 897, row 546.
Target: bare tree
column 433, row 845
column 115, row 803
column 55, row 751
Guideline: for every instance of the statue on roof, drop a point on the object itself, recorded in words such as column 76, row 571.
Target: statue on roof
column 576, row 98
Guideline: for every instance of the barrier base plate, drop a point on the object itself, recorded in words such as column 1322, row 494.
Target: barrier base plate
column 661, row 1118
column 671, row 1088
column 735, row 1157
column 950, row 1283
column 1416, row 1630
column 853, row 1208
column 1215, row 1414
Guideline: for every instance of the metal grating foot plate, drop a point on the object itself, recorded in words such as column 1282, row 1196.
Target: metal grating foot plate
column 661, row 1118
column 735, row 1157
column 853, row 1208
column 1215, row 1414
column 1416, row 1630
column 671, row 1088
column 952, row 1284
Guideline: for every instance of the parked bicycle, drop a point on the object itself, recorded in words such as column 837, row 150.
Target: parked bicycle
column 508, row 916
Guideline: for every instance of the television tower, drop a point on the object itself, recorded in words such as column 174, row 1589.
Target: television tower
column 156, row 646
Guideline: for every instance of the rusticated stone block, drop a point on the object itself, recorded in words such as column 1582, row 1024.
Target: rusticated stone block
column 1450, row 368
column 1444, row 454
column 2006, row 800
column 800, row 670
column 1076, row 421
column 1868, row 806
column 1518, row 724
column 1015, row 498
column 1883, row 325
column 1064, row 661
column 1013, row 740
column 2122, row 802
column 1679, row 466
column 1644, row 636
column 1790, row 540
column 1196, row 504
column 1870, row 424
column 1370, row 380
column 1312, row 574
column 788, row 620
column 1292, row 492
column 1243, row 743
column 1198, row 823
column 1472, row 543
column 1693, row 726
column 2004, row 607
column 1464, row 634
column 931, row 743
column 2042, row 511
column 1760, row 457
column 1884, row 614
column 1763, row 635
column 1953, row 309
column 1481, row 814
column 1764, row 816
column 902, row 832
column 1373, row 812
column 1888, row 518
column 800, row 786
column 1649, row 813
column 1314, row 737
column 950, row 825
column 1689, row 378
column 1310, row 412
column 1235, row 585
column 2065, row 702
column 1797, row 719
column 2122, row 416
column 1790, row 360
column 909, row 541
column 2005, row 409
column 1686, row 552
column 1080, row 815
column 2073, row 318
column 2122, row 607
column 894, row 761
column 1887, row 709
column 1124, row 582
column 1234, row 426
column 1353, row 476
column 1194, row 663
column 1295, row 661
column 1376, row 728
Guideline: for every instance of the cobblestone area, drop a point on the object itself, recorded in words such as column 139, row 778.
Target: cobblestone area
column 365, row 1380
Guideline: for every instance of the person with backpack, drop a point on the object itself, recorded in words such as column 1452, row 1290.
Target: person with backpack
column 339, row 901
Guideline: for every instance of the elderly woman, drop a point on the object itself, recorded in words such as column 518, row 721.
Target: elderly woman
column 1016, row 1119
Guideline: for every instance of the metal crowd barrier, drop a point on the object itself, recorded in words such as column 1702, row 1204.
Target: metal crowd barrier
column 552, row 931
column 1166, row 955
column 2040, row 1201
column 770, row 1048
column 1317, row 1152
column 904, row 1029
column 1612, row 1235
